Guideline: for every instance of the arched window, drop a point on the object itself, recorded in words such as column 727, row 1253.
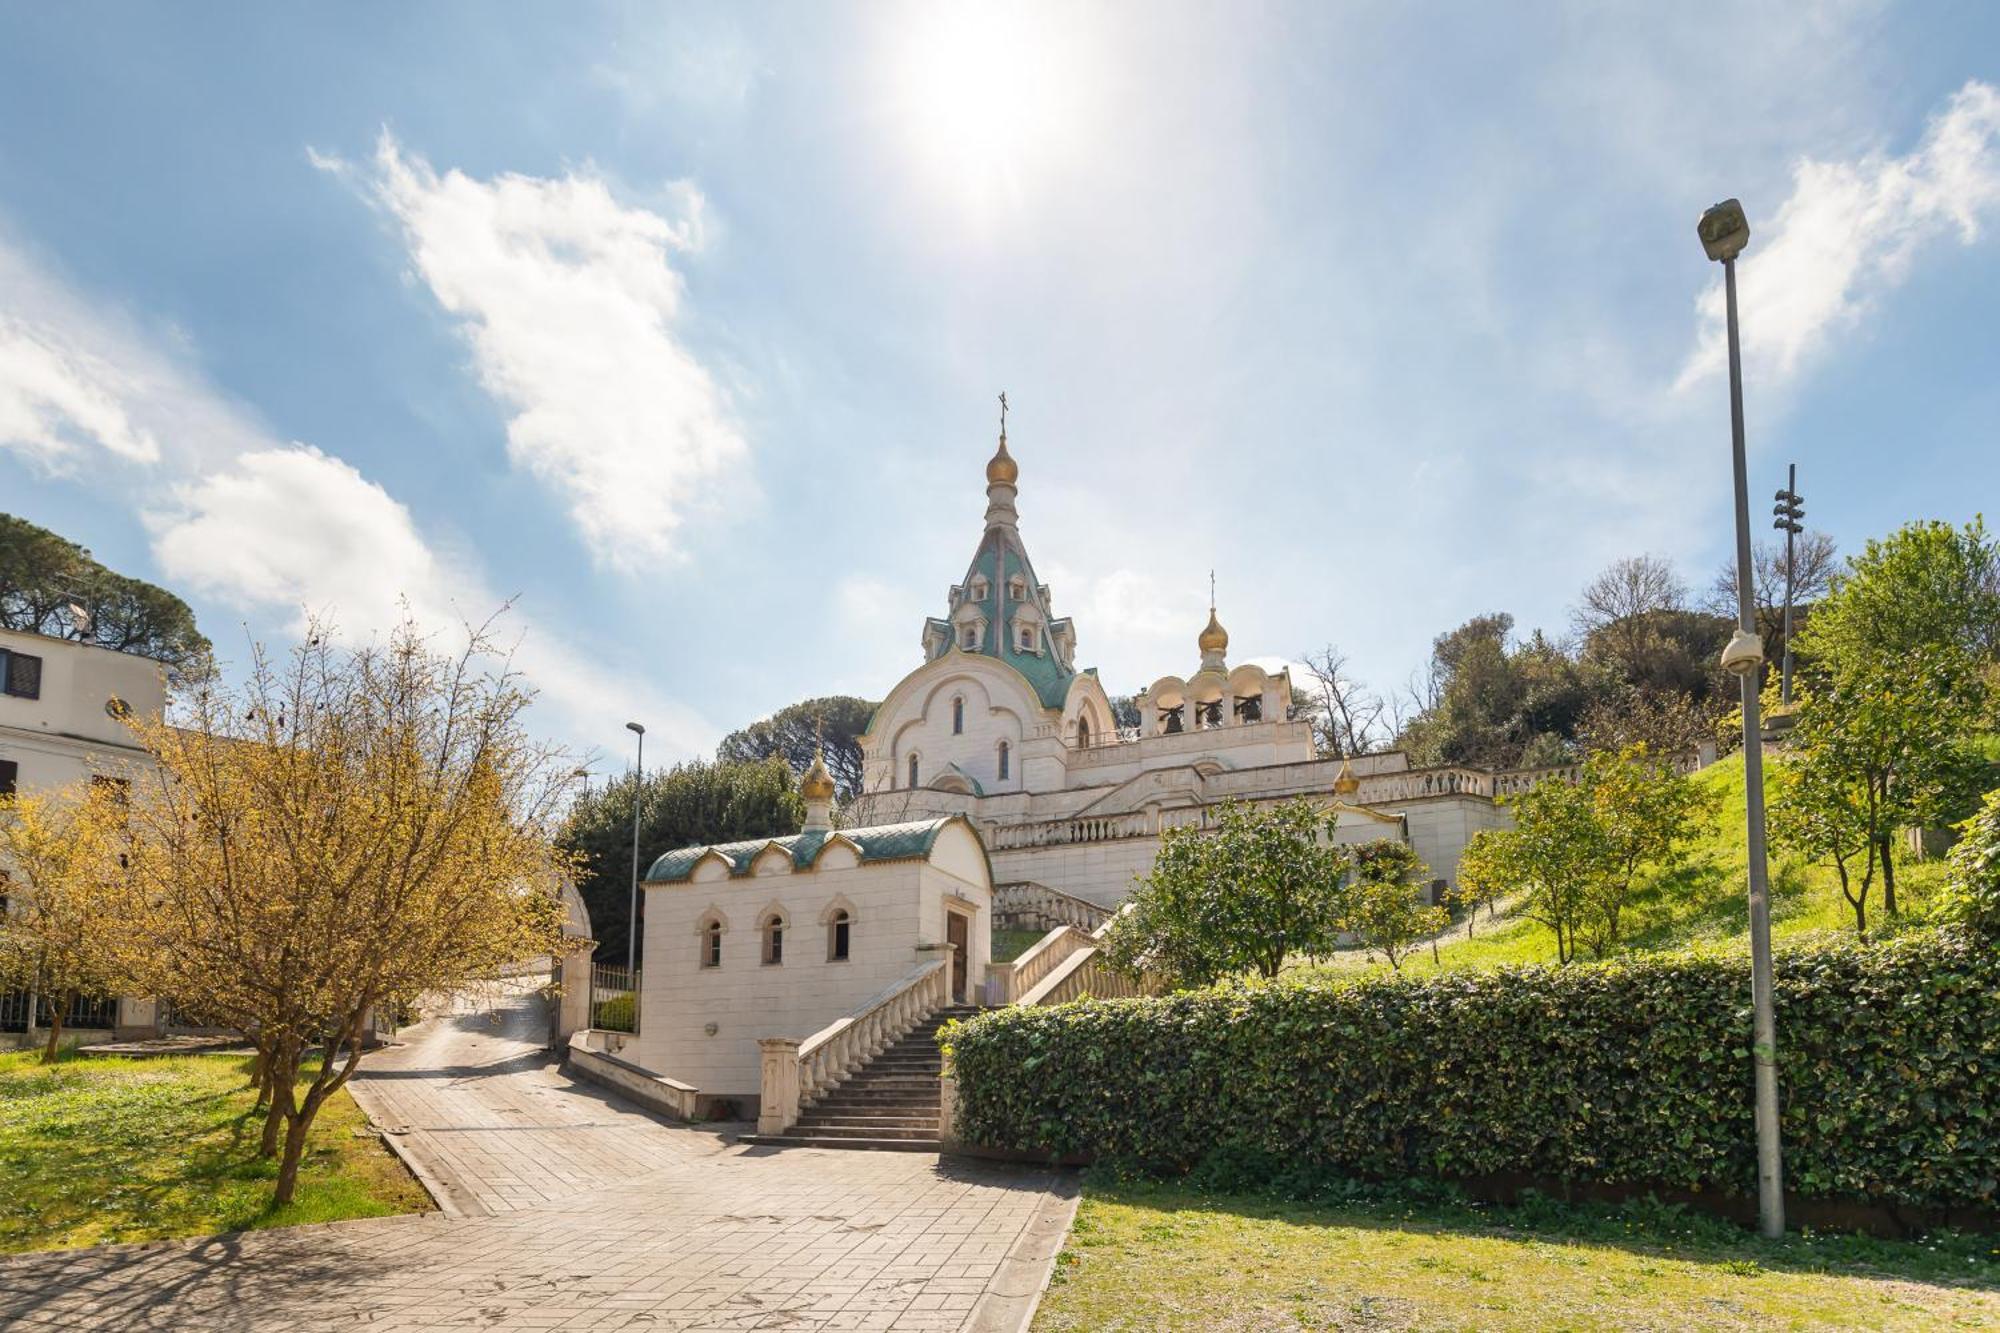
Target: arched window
column 913, row 770
column 1083, row 733
column 1005, row 755
column 1017, row 589
column 711, row 944
column 957, row 716
column 774, row 940
column 838, row 935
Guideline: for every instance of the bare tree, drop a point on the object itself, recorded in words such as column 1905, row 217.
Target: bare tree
column 1349, row 718
column 1626, row 590
column 1815, row 560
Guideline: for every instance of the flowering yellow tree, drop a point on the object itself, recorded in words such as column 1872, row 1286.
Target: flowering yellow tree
column 62, row 933
column 348, row 830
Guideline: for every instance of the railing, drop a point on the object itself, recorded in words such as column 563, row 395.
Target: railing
column 797, row 1073
column 1044, row 957
column 614, row 998
column 1087, row 974
column 1030, row 906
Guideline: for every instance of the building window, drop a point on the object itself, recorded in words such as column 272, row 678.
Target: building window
column 1017, row 589
column 1027, row 638
column 957, row 717
column 913, row 771
column 711, row 945
column 20, row 674
column 1083, row 733
column 968, row 638
column 774, row 940
column 979, row 590
column 838, row 933
column 1004, row 756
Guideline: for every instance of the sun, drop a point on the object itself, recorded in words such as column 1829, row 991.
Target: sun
column 987, row 96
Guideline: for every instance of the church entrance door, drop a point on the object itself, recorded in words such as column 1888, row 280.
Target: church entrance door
column 958, row 933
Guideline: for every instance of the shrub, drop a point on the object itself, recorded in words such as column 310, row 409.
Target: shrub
column 1973, row 895
column 615, row 1014
column 1624, row 1072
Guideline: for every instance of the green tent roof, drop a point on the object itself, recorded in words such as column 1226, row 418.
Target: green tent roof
column 885, row 842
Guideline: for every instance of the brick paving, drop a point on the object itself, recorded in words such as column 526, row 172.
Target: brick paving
column 573, row 1210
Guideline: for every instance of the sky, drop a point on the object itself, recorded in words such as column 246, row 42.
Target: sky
column 678, row 329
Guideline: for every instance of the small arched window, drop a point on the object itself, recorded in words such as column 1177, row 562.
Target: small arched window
column 1083, row 733
column 774, row 940
column 839, row 933
column 913, row 770
column 1017, row 589
column 711, row 945
column 1005, row 755
column 957, row 716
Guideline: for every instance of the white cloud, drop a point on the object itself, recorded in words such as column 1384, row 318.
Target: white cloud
column 1847, row 235
column 278, row 530
column 55, row 401
column 574, row 313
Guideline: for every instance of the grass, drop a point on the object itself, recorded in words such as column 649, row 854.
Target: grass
column 100, row 1150
column 1702, row 902
column 1011, row 944
column 1154, row 1256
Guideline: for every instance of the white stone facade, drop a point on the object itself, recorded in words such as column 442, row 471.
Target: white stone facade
column 706, row 1000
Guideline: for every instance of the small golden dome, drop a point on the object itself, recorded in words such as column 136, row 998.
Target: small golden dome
column 1001, row 469
column 1345, row 783
column 1214, row 639
column 817, row 784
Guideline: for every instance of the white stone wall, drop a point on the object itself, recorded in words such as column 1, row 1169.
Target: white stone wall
column 897, row 906
column 66, row 735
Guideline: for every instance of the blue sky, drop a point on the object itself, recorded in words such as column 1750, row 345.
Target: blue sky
column 682, row 325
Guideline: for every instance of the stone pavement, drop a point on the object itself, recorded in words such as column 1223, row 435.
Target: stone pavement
column 577, row 1211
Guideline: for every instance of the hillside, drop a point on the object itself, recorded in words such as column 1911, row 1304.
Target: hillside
column 1703, row 902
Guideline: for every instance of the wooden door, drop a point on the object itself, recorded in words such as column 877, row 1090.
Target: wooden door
column 958, row 933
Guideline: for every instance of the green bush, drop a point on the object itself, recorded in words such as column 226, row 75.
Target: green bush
column 615, row 1014
column 1972, row 896
column 1623, row 1072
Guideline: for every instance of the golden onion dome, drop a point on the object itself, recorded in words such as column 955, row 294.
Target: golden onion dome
column 1214, row 639
column 1345, row 783
column 817, row 785
column 1001, row 469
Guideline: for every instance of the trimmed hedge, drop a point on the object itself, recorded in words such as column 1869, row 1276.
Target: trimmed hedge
column 1629, row 1072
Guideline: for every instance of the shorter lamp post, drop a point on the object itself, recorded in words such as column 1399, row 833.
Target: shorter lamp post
column 1789, row 510
column 638, row 791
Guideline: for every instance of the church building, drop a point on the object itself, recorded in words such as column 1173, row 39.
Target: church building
column 999, row 724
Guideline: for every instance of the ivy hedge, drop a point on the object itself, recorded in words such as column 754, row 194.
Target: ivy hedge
column 1628, row 1072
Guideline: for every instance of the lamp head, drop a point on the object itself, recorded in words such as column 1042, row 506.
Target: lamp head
column 1724, row 231
column 634, row 726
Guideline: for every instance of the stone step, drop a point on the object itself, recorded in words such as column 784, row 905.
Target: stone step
column 892, row 1125
column 875, row 1132
column 850, row 1145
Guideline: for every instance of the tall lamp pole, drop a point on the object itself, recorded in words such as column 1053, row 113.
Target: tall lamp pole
column 1724, row 231
column 638, row 791
column 1789, row 510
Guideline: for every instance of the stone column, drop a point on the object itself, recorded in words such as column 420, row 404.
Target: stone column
column 778, row 1099
column 948, row 1140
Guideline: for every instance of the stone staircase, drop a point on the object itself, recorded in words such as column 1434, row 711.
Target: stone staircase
column 889, row 1104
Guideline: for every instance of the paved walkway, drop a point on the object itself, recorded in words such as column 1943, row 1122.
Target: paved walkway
column 576, row 1211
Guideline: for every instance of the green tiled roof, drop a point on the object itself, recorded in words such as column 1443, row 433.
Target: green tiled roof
column 884, row 842
column 1000, row 556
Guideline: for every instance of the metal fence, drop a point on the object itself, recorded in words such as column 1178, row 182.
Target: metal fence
column 614, row 998
column 85, row 1011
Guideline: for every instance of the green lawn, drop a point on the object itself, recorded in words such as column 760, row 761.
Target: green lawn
column 1146, row 1256
column 1011, row 944
column 1702, row 903
column 93, row 1151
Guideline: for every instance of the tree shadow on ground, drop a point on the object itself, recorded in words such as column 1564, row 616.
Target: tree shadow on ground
column 1646, row 1227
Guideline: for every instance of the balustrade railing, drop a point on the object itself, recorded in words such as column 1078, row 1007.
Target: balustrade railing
column 1044, row 957
column 1029, row 906
column 798, row 1073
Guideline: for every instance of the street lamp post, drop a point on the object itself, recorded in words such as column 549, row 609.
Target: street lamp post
column 1789, row 510
column 632, row 914
column 1724, row 231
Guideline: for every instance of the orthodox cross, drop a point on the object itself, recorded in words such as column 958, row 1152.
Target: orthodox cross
column 1003, row 415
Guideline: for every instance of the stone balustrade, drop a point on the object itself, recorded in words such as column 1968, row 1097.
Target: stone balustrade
column 1026, row 905
column 1043, row 957
column 797, row 1073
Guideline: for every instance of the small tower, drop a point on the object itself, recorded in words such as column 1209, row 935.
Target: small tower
column 816, row 788
column 1002, row 472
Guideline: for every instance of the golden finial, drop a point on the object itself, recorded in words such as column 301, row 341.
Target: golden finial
column 1345, row 783
column 1002, row 470
column 817, row 785
column 1214, row 639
